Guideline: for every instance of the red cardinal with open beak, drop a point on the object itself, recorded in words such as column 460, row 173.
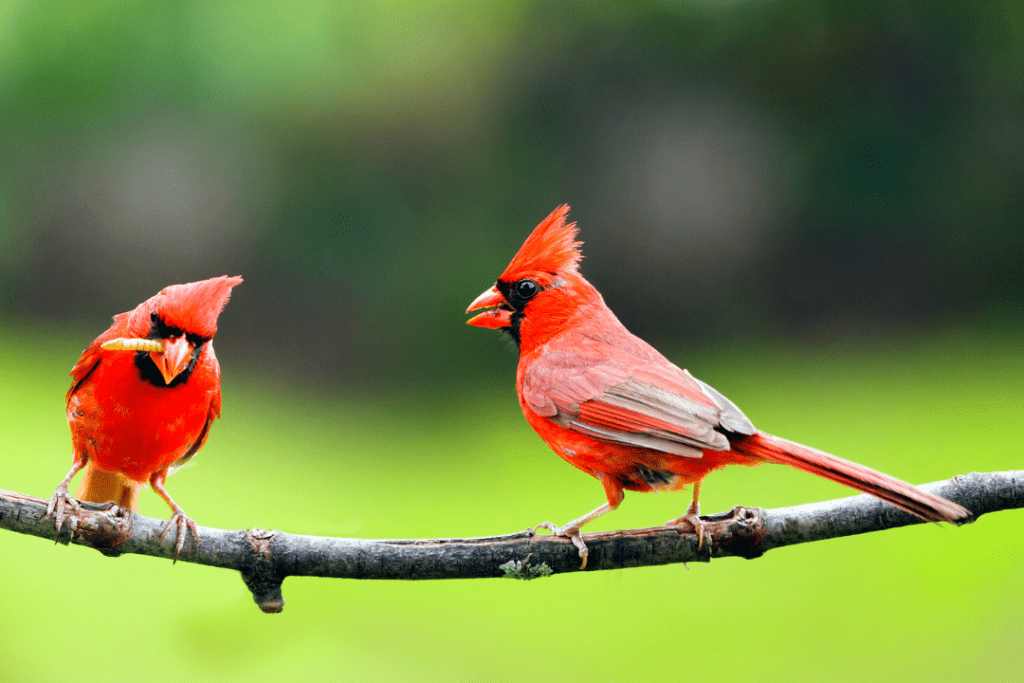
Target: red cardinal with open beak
column 608, row 403
column 142, row 399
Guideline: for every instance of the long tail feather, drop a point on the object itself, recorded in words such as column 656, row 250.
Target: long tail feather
column 100, row 487
column 899, row 493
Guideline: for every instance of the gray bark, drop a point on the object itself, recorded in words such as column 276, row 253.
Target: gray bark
column 266, row 558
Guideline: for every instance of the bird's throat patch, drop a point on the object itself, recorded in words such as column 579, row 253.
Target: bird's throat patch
column 513, row 330
column 149, row 372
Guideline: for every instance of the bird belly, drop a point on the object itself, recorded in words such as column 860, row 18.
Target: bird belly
column 136, row 430
column 636, row 469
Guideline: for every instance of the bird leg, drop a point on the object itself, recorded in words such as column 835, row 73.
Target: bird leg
column 178, row 517
column 572, row 530
column 61, row 499
column 693, row 516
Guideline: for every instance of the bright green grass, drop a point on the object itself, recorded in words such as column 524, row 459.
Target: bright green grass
column 922, row 603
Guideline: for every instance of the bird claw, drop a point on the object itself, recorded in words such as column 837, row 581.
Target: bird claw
column 181, row 521
column 692, row 517
column 60, row 500
column 572, row 533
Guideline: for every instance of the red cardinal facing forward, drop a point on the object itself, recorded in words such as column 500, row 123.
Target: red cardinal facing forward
column 608, row 403
column 142, row 399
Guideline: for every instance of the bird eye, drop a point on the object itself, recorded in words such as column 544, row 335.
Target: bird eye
column 526, row 288
column 152, row 316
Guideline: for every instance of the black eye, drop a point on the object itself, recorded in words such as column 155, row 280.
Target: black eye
column 526, row 288
column 152, row 316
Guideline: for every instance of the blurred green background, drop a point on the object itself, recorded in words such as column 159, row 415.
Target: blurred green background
column 815, row 207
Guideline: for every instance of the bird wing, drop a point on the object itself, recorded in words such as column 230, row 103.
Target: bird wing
column 631, row 395
column 203, row 435
column 210, row 362
column 92, row 355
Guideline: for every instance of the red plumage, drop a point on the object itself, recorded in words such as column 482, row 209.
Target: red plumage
column 136, row 415
column 610, row 404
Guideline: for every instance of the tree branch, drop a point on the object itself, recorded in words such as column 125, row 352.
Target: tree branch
column 266, row 558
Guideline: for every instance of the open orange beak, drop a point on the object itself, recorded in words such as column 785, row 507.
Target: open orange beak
column 174, row 358
column 498, row 314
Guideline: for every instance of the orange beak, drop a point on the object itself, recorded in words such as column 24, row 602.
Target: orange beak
column 174, row 358
column 497, row 316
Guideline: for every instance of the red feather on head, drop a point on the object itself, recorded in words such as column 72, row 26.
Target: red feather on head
column 551, row 248
column 193, row 306
column 549, row 259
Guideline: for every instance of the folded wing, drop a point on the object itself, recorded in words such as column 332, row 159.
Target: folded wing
column 653, row 404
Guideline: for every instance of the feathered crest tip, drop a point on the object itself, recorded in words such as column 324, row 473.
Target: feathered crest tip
column 195, row 306
column 551, row 247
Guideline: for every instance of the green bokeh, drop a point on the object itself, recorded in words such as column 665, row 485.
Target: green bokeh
column 739, row 170
column 922, row 603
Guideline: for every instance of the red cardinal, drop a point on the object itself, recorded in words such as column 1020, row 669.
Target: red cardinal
column 142, row 399
column 608, row 403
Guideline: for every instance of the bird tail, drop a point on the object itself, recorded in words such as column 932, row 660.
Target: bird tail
column 899, row 493
column 100, row 487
